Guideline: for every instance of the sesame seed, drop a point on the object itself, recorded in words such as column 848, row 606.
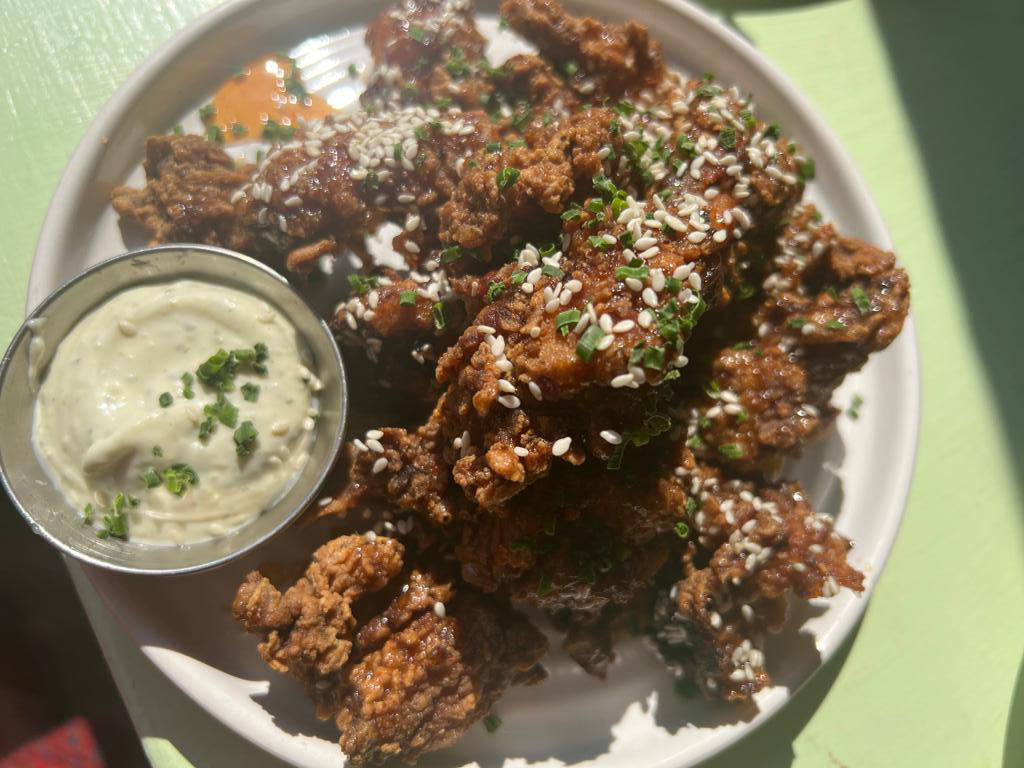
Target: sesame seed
column 375, row 434
column 696, row 237
column 439, row 609
column 486, row 329
column 634, row 284
column 506, row 386
column 622, row 380
column 380, row 465
column 604, row 343
column 611, row 436
column 520, row 451
column 374, row 445
column 650, row 297
column 650, row 252
column 560, row 446
column 535, row 390
column 622, row 326
column 509, row 401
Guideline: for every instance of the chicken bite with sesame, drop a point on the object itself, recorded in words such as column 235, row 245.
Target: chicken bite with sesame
column 404, row 660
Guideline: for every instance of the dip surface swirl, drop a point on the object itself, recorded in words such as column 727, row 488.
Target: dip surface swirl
column 130, row 424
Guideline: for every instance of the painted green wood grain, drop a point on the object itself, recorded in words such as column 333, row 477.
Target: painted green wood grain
column 930, row 677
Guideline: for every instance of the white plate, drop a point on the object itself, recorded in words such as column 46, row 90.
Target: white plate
column 860, row 472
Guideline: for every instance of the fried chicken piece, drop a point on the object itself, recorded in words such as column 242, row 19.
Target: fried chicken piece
column 431, row 680
column 610, row 57
column 429, row 659
column 308, row 630
column 831, row 302
column 580, row 539
column 334, row 182
column 187, row 197
column 426, row 51
column 765, row 543
column 408, row 474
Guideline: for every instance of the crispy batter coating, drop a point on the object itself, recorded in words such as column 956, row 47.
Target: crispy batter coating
column 406, row 680
column 830, row 302
column 187, row 197
column 765, row 543
column 612, row 57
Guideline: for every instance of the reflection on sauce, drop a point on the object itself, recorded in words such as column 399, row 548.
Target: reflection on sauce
column 266, row 92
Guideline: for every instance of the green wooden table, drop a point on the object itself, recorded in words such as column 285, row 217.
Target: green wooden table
column 927, row 98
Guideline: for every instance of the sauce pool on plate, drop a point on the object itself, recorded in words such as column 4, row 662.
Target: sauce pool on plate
column 176, row 412
column 265, row 99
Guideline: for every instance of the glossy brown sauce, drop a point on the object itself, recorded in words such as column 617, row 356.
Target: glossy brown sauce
column 265, row 90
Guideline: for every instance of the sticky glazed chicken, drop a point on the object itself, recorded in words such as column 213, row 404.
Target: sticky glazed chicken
column 616, row 317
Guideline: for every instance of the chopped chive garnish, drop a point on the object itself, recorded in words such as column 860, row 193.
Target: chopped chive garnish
column 860, row 298
column 796, row 322
column 440, row 316
column 731, row 451
column 494, row 290
column 507, row 177
column 743, row 345
column 692, row 506
column 407, row 298
column 835, row 325
column 654, row 358
column 178, row 478
column 566, row 320
column 417, row 33
column 587, row 344
column 492, row 723
column 165, row 399
column 598, row 242
column 450, row 254
column 604, row 186
column 207, row 112
column 806, row 169
column 550, row 270
column 492, row 147
column 151, row 478
column 516, row 143
column 855, row 404
column 517, row 278
column 87, row 514
column 571, row 68
column 206, row 427
column 214, row 134
column 186, row 386
column 682, row 530
column 636, row 269
column 245, row 438
column 250, row 392
column 572, row 212
column 158, row 451
column 222, row 410
column 362, row 284
column 727, row 137
column 773, row 131
column 237, row 129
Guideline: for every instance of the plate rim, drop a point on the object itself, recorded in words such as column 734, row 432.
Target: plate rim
column 75, row 179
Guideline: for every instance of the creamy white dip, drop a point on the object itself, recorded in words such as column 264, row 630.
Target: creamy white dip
column 101, row 429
